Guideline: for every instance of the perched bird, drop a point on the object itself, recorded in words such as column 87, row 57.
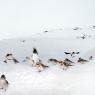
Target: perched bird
column 3, row 82
column 68, row 61
column 53, row 60
column 64, row 65
column 10, row 58
column 35, row 58
column 82, row 61
column 40, row 67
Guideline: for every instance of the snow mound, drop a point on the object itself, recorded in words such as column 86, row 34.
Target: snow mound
column 25, row 80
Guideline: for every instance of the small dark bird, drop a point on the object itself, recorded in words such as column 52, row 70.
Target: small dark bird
column 5, row 61
column 16, row 61
column 53, row 60
column 68, row 61
column 80, row 60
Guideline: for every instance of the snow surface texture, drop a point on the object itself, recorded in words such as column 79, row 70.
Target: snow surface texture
column 25, row 80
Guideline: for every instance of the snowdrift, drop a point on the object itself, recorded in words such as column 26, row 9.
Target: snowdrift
column 25, row 80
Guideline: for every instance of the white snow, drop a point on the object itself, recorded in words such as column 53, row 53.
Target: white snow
column 25, row 80
column 19, row 18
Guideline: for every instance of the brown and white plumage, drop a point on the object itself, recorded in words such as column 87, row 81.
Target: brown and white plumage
column 40, row 67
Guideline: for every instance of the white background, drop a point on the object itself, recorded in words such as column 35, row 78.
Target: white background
column 25, row 17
